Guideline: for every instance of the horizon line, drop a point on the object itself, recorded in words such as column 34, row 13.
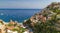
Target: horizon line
column 17, row 8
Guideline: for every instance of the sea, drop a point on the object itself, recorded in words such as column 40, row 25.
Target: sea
column 17, row 14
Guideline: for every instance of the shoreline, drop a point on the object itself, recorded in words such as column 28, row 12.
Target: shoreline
column 8, row 22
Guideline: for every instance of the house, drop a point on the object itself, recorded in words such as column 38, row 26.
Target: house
column 11, row 26
column 10, row 31
column 11, row 22
column 26, row 31
column 39, row 16
column 43, row 19
column 2, row 27
column 58, row 16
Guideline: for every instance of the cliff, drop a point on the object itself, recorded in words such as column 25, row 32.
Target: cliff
column 46, row 20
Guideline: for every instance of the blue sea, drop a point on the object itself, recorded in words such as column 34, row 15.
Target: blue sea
column 17, row 14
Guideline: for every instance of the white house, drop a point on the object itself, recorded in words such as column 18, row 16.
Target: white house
column 9, row 31
column 26, row 32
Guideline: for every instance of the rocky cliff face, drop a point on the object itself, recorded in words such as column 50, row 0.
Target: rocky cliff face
column 50, row 13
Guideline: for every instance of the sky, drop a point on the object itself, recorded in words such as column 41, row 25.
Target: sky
column 26, row 4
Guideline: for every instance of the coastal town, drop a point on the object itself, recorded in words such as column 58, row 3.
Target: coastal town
column 12, row 27
column 46, row 21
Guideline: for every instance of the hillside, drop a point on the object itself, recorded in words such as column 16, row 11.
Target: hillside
column 46, row 21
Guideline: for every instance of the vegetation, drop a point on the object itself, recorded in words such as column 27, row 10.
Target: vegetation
column 49, row 26
column 21, row 30
column 14, row 29
column 10, row 24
